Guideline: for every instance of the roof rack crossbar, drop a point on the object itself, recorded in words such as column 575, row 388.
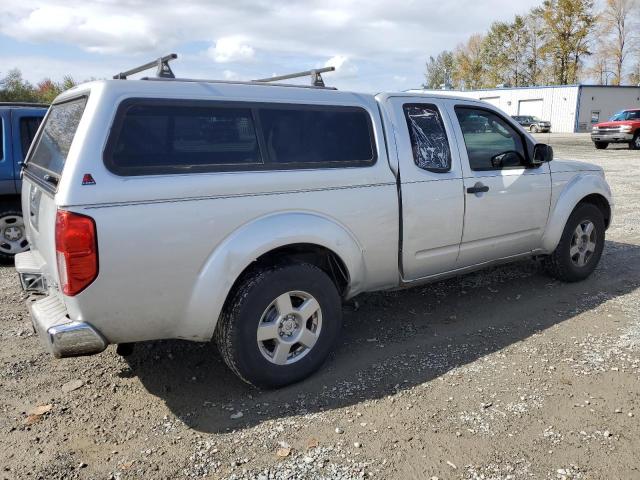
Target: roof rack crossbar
column 316, row 78
column 162, row 64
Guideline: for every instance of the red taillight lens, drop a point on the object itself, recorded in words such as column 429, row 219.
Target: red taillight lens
column 76, row 251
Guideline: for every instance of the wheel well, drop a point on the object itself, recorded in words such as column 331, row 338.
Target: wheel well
column 323, row 258
column 600, row 202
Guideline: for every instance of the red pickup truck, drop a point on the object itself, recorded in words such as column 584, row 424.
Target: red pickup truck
column 623, row 127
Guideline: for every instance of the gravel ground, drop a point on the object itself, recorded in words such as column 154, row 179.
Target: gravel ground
column 502, row 374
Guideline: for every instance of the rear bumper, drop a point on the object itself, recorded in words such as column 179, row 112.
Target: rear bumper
column 612, row 137
column 62, row 336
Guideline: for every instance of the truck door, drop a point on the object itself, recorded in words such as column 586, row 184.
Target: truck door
column 430, row 186
column 24, row 125
column 507, row 201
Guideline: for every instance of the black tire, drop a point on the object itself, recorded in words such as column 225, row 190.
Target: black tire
column 635, row 143
column 236, row 332
column 601, row 145
column 533, row 129
column 560, row 263
column 10, row 210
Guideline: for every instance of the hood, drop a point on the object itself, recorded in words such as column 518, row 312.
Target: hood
column 616, row 124
column 558, row 165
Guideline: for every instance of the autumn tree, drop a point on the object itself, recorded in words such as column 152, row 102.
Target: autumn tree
column 568, row 24
column 14, row 88
column 618, row 33
column 469, row 72
column 440, row 70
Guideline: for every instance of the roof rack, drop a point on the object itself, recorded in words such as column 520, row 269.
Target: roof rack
column 164, row 72
column 162, row 64
column 316, row 78
column 24, row 104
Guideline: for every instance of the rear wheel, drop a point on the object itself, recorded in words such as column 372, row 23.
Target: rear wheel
column 280, row 325
column 635, row 143
column 13, row 238
column 601, row 145
column 580, row 246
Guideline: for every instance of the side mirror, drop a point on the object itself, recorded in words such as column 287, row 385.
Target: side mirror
column 541, row 153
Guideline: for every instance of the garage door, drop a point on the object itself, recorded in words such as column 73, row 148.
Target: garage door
column 530, row 107
column 495, row 101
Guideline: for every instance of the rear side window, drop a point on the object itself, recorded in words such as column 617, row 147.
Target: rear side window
column 164, row 138
column 28, row 128
column 53, row 144
column 172, row 136
column 428, row 137
column 308, row 136
column 1, row 139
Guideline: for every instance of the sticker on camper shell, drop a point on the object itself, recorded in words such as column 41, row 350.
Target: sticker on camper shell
column 87, row 179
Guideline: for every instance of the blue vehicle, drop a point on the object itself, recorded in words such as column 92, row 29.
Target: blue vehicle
column 19, row 123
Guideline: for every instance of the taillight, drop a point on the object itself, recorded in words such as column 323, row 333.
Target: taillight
column 76, row 251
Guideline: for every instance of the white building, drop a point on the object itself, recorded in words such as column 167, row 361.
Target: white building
column 569, row 108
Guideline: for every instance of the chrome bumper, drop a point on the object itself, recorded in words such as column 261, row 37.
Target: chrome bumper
column 612, row 137
column 62, row 336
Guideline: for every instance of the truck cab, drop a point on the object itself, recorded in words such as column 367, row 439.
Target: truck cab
column 19, row 123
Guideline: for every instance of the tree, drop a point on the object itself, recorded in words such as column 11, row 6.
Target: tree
column 504, row 53
column 568, row 24
column 440, row 71
column 619, row 33
column 13, row 88
column 536, row 64
column 468, row 59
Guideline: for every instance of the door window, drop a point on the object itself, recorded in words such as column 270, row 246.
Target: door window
column 492, row 144
column 28, row 128
column 428, row 137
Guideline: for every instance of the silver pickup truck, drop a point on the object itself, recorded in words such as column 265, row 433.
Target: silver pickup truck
column 246, row 212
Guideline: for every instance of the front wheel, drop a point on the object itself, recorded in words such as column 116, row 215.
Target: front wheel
column 533, row 129
column 635, row 143
column 580, row 246
column 280, row 325
column 13, row 237
column 601, row 145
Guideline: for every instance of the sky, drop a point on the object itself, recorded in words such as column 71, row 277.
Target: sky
column 375, row 45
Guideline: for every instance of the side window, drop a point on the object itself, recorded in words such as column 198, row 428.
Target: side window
column 306, row 137
column 168, row 137
column 1, row 139
column 492, row 144
column 428, row 137
column 28, row 128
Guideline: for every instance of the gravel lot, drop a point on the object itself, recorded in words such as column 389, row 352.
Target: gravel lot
column 502, row 374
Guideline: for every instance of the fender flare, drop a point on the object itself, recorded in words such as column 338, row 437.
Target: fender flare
column 575, row 190
column 244, row 245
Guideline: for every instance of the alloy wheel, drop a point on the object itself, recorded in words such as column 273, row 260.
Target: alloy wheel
column 583, row 243
column 289, row 327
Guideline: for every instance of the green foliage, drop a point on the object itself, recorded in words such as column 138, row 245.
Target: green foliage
column 14, row 88
column 440, row 70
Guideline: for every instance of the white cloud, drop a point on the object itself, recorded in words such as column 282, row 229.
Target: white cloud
column 231, row 49
column 344, row 66
column 376, row 41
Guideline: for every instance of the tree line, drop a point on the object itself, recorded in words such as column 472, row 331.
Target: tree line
column 547, row 46
column 14, row 88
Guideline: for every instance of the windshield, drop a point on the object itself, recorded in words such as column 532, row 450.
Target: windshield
column 54, row 140
column 535, row 119
column 626, row 115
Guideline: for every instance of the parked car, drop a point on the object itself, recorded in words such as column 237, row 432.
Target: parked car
column 18, row 125
column 623, row 127
column 533, row 124
column 246, row 212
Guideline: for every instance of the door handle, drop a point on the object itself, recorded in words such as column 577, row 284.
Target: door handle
column 478, row 188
